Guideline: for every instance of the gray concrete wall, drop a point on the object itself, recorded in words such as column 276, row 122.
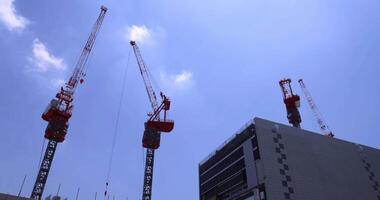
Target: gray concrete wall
column 301, row 165
column 250, row 167
column 11, row 197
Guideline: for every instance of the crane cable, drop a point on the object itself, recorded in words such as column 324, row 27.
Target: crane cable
column 116, row 127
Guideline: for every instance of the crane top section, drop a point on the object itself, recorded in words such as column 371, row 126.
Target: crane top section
column 60, row 108
column 154, row 122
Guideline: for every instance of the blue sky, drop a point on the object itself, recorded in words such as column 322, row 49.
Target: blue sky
column 219, row 61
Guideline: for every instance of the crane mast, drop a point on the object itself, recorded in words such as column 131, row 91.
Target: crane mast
column 154, row 125
column 59, row 111
column 321, row 122
column 292, row 103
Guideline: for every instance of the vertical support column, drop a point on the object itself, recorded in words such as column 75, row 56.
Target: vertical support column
column 148, row 175
column 40, row 183
column 250, row 166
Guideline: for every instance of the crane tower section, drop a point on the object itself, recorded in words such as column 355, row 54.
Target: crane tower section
column 292, row 103
column 321, row 122
column 153, row 126
column 59, row 111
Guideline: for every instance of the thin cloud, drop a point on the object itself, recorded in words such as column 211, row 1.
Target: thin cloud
column 139, row 34
column 9, row 16
column 183, row 78
column 43, row 60
column 177, row 81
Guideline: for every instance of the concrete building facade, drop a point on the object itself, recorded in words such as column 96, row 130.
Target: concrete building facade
column 270, row 161
column 11, row 197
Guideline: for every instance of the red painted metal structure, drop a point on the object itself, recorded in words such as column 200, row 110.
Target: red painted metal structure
column 59, row 110
column 292, row 103
column 321, row 122
column 154, row 122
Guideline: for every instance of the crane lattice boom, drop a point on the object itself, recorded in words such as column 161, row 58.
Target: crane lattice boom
column 321, row 122
column 60, row 108
column 145, row 76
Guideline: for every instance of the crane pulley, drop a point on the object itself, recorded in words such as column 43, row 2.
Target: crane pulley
column 321, row 122
column 59, row 111
column 153, row 126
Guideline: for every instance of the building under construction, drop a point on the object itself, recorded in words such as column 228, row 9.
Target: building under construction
column 271, row 161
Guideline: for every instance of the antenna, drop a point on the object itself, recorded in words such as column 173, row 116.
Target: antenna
column 76, row 198
column 22, row 185
column 59, row 188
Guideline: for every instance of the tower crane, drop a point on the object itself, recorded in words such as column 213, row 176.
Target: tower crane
column 322, row 124
column 292, row 103
column 153, row 126
column 59, row 111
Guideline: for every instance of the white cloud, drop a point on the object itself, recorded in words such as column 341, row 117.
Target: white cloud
column 44, row 67
column 139, row 34
column 43, row 60
column 183, row 78
column 178, row 81
column 9, row 17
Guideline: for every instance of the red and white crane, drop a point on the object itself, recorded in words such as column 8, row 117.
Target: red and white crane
column 321, row 122
column 60, row 109
column 292, row 103
column 153, row 126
